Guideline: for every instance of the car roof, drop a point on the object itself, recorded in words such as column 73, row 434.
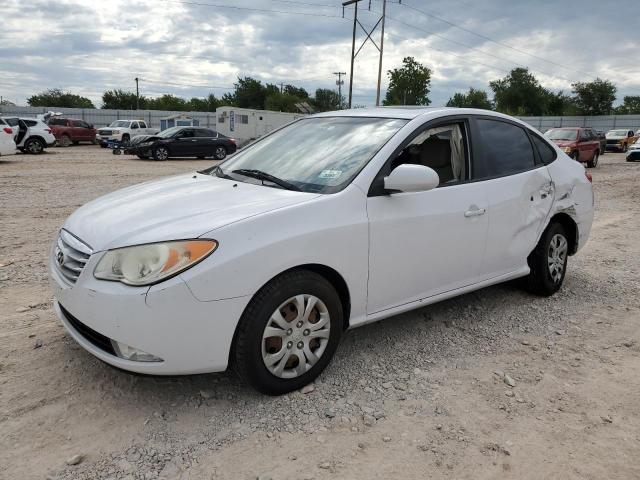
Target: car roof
column 411, row 112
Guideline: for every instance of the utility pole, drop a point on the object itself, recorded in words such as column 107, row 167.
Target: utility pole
column 281, row 86
column 368, row 34
column 340, row 82
column 137, row 94
column 384, row 13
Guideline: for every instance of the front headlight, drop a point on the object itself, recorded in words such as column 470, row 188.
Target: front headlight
column 567, row 149
column 148, row 264
column 115, row 132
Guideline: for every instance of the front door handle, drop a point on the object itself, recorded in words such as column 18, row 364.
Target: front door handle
column 474, row 212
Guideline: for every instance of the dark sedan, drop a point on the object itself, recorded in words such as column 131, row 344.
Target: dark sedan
column 197, row 142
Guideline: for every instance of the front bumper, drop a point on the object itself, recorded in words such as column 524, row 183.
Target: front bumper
column 616, row 147
column 165, row 320
column 633, row 156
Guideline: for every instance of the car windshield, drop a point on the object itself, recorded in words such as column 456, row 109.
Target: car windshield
column 562, row 134
column 169, row 132
column 316, row 154
column 618, row 133
column 121, row 124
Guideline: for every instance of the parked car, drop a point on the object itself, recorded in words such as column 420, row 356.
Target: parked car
column 581, row 144
column 123, row 131
column 633, row 153
column 7, row 143
column 620, row 139
column 331, row 222
column 71, row 130
column 30, row 134
column 602, row 137
column 197, row 142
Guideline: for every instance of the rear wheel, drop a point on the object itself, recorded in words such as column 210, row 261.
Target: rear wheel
column 593, row 163
column 548, row 262
column 64, row 141
column 161, row 153
column 288, row 332
column 34, row 146
column 220, row 153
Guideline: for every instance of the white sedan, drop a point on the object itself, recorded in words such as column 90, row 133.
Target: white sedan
column 331, row 222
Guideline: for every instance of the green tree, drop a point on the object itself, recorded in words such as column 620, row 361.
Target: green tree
column 55, row 97
column 249, row 93
column 282, row 102
column 120, row 99
column 296, row 91
column 206, row 104
column 559, row 104
column 327, row 100
column 474, row 98
column 409, row 84
column 167, row 102
column 630, row 106
column 594, row 98
column 520, row 93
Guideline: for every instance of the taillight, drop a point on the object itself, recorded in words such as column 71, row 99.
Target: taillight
column 587, row 174
column 8, row 130
column 48, row 130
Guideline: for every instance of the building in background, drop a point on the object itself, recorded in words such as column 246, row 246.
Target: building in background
column 246, row 124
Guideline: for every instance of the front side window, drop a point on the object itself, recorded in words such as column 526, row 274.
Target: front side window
column 441, row 148
column 506, row 147
column 30, row 123
column 316, row 154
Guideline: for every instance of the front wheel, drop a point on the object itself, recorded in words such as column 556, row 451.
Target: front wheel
column 220, row 153
column 288, row 332
column 548, row 262
column 593, row 163
column 160, row 153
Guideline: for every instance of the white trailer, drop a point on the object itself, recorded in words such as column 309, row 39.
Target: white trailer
column 245, row 124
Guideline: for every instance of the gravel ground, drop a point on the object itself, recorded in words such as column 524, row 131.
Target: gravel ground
column 493, row 384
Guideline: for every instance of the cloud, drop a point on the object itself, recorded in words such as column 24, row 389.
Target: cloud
column 88, row 47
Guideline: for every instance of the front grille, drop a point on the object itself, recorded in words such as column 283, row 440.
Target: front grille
column 104, row 132
column 613, row 142
column 95, row 338
column 70, row 256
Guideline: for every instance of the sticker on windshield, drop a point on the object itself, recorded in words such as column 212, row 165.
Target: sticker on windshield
column 330, row 173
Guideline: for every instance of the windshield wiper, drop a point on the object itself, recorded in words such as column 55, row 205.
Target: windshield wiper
column 260, row 175
column 219, row 173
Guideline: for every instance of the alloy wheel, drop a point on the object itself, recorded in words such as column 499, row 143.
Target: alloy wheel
column 162, row 153
column 557, row 256
column 220, row 153
column 35, row 147
column 296, row 336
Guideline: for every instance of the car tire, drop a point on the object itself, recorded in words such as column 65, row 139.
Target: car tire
column 125, row 140
column 593, row 163
column 64, row 141
column 161, row 153
column 34, row 146
column 548, row 261
column 576, row 156
column 220, row 153
column 274, row 310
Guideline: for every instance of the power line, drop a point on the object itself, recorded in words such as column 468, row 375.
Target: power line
column 252, row 9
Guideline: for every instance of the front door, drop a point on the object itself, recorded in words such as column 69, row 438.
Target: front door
column 184, row 145
column 426, row 243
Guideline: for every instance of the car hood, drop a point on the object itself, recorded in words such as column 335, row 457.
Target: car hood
column 181, row 207
column 564, row 143
column 142, row 138
column 615, row 137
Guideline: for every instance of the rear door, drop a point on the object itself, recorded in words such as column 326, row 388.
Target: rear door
column 520, row 193
column 206, row 142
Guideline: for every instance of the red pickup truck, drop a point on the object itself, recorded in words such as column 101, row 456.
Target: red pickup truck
column 70, row 130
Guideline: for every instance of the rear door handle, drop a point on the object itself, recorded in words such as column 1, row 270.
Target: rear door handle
column 474, row 212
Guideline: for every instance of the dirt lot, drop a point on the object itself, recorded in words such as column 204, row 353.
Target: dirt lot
column 421, row 395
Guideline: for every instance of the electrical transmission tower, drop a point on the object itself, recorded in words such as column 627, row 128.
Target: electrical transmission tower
column 339, row 83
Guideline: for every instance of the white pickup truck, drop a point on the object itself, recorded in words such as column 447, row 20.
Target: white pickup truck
column 123, row 131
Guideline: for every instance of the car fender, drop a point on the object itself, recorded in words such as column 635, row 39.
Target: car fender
column 330, row 230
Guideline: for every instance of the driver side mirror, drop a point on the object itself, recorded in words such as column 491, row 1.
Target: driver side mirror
column 411, row 178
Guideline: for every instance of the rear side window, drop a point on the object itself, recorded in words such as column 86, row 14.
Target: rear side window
column 12, row 121
column 201, row 132
column 142, row 125
column 546, row 153
column 506, row 147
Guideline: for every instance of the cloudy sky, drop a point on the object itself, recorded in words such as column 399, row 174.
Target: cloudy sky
column 191, row 48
